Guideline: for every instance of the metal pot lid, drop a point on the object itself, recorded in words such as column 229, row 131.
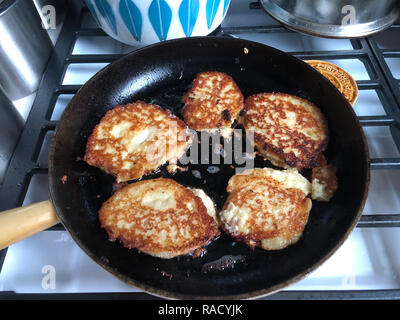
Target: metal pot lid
column 334, row 19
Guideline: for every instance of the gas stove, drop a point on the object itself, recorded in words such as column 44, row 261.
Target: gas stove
column 366, row 266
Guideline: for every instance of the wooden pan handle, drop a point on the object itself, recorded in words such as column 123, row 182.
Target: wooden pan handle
column 20, row 223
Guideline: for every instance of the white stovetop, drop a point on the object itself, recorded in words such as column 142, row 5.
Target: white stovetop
column 369, row 258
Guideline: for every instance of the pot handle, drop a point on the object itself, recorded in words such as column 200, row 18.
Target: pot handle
column 20, row 223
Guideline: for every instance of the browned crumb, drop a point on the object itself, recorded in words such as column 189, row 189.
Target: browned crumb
column 64, row 179
column 166, row 274
column 199, row 252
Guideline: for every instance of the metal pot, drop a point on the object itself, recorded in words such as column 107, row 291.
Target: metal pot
column 24, row 48
column 334, row 18
column 11, row 125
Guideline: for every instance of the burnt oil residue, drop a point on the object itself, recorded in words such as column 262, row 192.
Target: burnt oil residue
column 225, row 262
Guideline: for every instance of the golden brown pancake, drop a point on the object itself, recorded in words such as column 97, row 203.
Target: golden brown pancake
column 324, row 180
column 159, row 217
column 136, row 139
column 288, row 130
column 213, row 103
column 266, row 208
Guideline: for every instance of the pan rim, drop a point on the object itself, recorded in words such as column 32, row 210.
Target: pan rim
column 176, row 295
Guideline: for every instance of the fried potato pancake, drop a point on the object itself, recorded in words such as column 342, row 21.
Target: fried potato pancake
column 324, row 180
column 288, row 130
column 266, row 208
column 213, row 103
column 159, row 217
column 135, row 139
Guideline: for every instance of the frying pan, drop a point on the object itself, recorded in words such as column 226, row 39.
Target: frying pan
column 160, row 74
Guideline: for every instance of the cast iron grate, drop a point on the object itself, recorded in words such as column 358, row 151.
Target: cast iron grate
column 26, row 164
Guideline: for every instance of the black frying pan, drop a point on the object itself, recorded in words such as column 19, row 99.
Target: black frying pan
column 160, row 74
